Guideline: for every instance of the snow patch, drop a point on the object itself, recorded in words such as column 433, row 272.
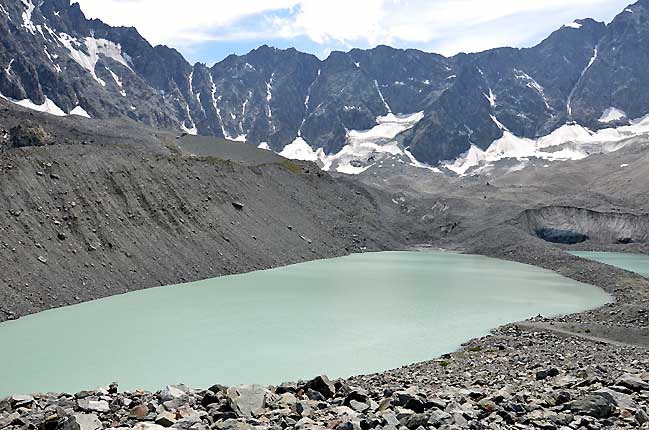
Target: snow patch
column 28, row 24
column 95, row 48
column 581, row 77
column 264, row 145
column 569, row 142
column 532, row 84
column 491, row 97
column 116, row 78
column 79, row 111
column 8, row 68
column 389, row 126
column 574, row 24
column 376, row 84
column 3, row 10
column 498, row 123
column 48, row 106
column 299, row 150
column 612, row 114
column 364, row 148
column 241, row 138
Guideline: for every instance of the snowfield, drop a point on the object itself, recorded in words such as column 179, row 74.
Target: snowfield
column 363, row 148
column 569, row 142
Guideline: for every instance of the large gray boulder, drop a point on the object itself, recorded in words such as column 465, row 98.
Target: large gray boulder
column 247, row 400
column 594, row 405
column 82, row 422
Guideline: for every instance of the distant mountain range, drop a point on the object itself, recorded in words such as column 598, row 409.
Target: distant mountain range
column 53, row 58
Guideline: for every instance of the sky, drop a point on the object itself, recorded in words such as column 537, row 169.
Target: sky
column 210, row 30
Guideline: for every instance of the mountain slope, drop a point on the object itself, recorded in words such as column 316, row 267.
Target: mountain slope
column 56, row 60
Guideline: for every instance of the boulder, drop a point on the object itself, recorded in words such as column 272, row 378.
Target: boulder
column 594, row 405
column 21, row 401
column 437, row 418
column 621, row 400
column 548, row 373
column 633, row 383
column 359, row 406
column 147, row 426
column 323, row 385
column 29, row 135
column 247, row 400
column 172, row 392
column 414, row 421
column 82, row 422
column 90, row 405
column 166, row 419
column 642, row 417
column 139, row 411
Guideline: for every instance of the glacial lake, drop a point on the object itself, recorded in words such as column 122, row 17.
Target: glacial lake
column 351, row 315
column 637, row 263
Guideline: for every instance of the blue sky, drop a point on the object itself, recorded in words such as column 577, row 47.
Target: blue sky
column 209, row 30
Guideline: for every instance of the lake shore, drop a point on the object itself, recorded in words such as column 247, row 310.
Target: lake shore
column 567, row 372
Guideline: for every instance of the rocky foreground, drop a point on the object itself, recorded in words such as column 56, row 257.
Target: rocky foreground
column 515, row 379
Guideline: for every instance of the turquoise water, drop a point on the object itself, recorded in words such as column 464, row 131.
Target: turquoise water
column 637, row 263
column 358, row 314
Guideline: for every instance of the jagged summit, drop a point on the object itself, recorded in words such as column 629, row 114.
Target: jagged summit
column 53, row 58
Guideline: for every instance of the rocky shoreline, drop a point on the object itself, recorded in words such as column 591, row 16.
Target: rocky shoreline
column 512, row 380
column 547, row 373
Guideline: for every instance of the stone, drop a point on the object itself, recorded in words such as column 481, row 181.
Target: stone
column 238, row 205
column 29, row 135
column 303, row 408
column 594, row 405
column 90, row 405
column 642, row 417
column 438, row 417
column 147, row 426
column 487, row 406
column 315, row 395
column 139, row 412
column 21, row 401
column 247, row 400
column 621, row 400
column 166, row 419
column 172, row 392
column 286, row 388
column 82, row 422
column 7, row 420
column 210, row 398
column 323, row 385
column 359, row 406
column 413, row 421
column 415, row 405
column 545, row 374
column 633, row 383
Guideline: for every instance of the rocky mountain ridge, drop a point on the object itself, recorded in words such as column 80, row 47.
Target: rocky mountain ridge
column 55, row 59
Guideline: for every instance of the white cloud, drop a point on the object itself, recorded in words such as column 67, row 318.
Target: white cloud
column 447, row 26
column 179, row 22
